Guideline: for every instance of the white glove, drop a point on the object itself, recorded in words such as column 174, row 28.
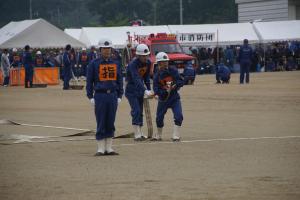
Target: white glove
column 148, row 93
column 119, row 100
column 79, row 65
column 92, row 101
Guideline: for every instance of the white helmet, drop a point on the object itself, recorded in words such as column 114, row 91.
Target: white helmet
column 105, row 43
column 142, row 50
column 38, row 53
column 83, row 49
column 162, row 56
column 15, row 49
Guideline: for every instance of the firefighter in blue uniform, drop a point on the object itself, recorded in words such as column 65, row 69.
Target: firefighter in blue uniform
column 189, row 74
column 138, row 85
column 15, row 59
column 67, row 71
column 104, row 87
column 83, row 62
column 28, row 65
column 39, row 60
column 244, row 58
column 222, row 74
column 166, row 84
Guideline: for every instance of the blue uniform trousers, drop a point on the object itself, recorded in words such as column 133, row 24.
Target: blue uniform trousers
column 67, row 77
column 245, row 68
column 105, row 110
column 136, row 104
column 28, row 76
column 162, row 108
column 83, row 70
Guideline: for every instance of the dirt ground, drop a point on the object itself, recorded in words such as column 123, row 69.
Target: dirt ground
column 238, row 142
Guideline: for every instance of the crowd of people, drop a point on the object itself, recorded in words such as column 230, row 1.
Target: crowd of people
column 270, row 57
column 78, row 60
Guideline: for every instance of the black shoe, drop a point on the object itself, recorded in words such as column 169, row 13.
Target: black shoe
column 143, row 138
column 112, row 153
column 155, row 139
column 99, row 154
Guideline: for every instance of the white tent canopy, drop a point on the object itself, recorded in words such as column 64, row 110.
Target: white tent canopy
column 278, row 31
column 91, row 36
column 36, row 33
column 73, row 32
column 223, row 34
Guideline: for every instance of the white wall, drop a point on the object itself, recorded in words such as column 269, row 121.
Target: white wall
column 267, row 10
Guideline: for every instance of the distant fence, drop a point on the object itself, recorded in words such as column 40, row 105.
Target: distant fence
column 42, row 75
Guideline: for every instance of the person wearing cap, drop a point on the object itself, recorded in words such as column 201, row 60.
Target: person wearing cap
column 28, row 64
column 244, row 58
column 39, row 60
column 104, row 87
column 67, row 69
column 138, row 85
column 166, row 83
column 15, row 59
column 83, row 62
column 5, row 66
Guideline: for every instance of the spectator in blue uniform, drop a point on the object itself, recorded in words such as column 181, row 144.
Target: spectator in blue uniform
column 229, row 57
column 104, row 87
column 92, row 54
column 28, row 65
column 67, row 71
column 245, row 57
column 189, row 74
column 166, row 84
column 15, row 59
column 83, row 62
column 222, row 73
column 138, row 85
column 75, row 69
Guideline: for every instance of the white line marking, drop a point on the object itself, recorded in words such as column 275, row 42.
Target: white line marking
column 211, row 140
column 164, row 142
column 57, row 127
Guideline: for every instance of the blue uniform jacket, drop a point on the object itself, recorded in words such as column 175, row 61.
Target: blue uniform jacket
column 245, row 54
column 189, row 70
column 137, row 74
column 66, row 60
column 104, row 75
column 223, row 71
column 161, row 77
column 27, row 61
column 91, row 56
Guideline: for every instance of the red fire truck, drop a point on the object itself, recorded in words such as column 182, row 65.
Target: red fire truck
column 162, row 42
